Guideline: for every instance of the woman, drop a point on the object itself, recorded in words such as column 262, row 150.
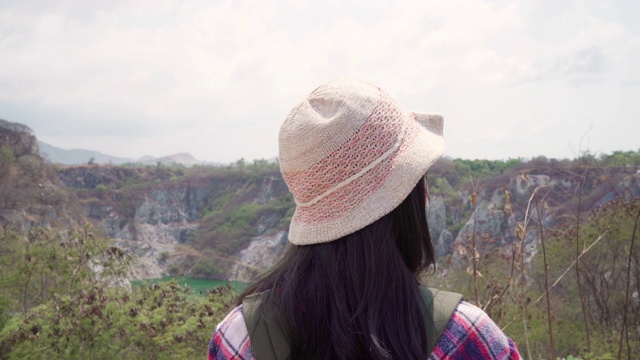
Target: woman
column 348, row 287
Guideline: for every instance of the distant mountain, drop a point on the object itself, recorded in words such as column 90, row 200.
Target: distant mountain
column 180, row 158
column 82, row 156
column 78, row 156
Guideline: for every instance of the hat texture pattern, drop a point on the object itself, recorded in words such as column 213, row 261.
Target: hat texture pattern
column 349, row 155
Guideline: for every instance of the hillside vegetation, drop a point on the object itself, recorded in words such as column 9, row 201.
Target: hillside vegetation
column 547, row 247
column 63, row 290
column 584, row 210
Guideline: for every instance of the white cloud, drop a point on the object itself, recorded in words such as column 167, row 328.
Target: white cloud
column 168, row 76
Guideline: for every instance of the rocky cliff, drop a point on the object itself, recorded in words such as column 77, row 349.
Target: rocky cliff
column 30, row 193
column 491, row 211
column 206, row 223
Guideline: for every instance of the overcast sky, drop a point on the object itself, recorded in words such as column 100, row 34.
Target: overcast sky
column 216, row 78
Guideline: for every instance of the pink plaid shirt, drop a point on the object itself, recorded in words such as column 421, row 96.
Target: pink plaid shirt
column 470, row 334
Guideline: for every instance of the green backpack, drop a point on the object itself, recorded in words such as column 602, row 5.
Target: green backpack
column 268, row 342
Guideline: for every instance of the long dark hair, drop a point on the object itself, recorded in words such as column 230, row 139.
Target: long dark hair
column 357, row 297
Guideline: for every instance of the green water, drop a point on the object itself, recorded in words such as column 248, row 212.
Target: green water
column 196, row 284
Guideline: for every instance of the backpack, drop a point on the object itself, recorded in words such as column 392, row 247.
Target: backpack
column 268, row 341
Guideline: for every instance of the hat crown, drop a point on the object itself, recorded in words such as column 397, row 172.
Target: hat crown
column 324, row 121
column 340, row 132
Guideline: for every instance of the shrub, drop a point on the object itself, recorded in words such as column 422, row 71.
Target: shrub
column 159, row 321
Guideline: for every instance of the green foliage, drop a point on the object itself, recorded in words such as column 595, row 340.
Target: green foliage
column 57, row 303
column 570, row 357
column 127, row 207
column 262, row 163
column 6, row 155
column 286, row 219
column 42, row 263
column 621, row 158
column 452, row 200
column 226, row 229
column 161, row 321
column 206, row 268
column 459, row 171
column 479, row 169
column 441, row 186
column 232, row 220
column 174, row 270
column 5, row 311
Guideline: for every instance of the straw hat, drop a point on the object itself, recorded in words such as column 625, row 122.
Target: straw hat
column 350, row 155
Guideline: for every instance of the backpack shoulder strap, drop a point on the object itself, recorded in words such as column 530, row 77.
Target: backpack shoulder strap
column 440, row 305
column 267, row 339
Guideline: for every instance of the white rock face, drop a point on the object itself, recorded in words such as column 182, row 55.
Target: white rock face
column 151, row 241
column 163, row 221
column 437, row 219
column 258, row 256
column 436, row 215
column 153, row 223
column 112, row 281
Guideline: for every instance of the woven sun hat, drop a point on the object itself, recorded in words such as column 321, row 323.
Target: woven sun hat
column 350, row 155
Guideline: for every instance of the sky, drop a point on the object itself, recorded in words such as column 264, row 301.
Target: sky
column 215, row 79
